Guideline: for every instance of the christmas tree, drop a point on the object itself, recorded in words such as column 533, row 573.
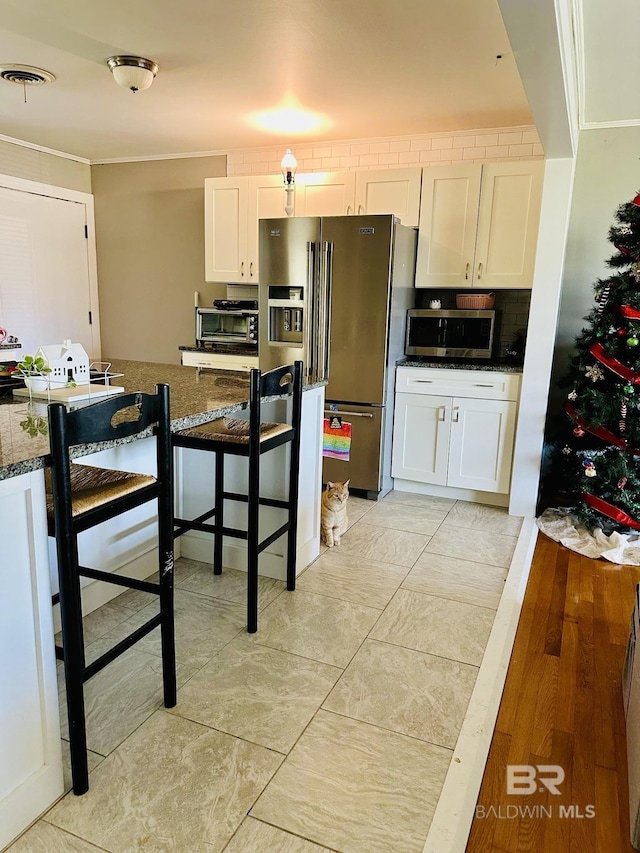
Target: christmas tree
column 601, row 457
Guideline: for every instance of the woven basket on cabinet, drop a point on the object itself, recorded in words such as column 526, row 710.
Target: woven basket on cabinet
column 475, row 301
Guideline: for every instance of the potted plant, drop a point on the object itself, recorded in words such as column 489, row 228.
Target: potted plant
column 34, row 372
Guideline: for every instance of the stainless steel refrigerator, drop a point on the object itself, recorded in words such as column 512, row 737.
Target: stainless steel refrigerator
column 334, row 291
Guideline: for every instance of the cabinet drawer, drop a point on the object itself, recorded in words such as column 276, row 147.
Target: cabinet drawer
column 218, row 361
column 485, row 384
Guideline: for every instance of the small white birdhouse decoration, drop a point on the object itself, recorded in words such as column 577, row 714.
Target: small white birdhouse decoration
column 69, row 363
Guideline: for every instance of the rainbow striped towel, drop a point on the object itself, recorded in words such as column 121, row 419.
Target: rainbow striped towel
column 336, row 441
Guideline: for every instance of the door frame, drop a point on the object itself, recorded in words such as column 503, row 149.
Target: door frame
column 49, row 190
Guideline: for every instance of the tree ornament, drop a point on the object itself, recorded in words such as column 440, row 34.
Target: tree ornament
column 636, row 200
column 622, row 482
column 578, row 432
column 594, row 372
column 572, row 395
column 567, row 450
column 622, row 423
column 603, row 298
column 635, row 271
column 632, row 341
column 628, row 390
column 612, row 330
column 621, row 333
column 589, row 467
column 625, row 229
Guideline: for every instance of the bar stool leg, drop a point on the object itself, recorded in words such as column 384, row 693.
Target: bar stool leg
column 292, row 533
column 219, row 516
column 252, row 543
column 73, row 651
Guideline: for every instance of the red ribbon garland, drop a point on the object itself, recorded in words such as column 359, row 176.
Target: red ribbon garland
column 610, row 510
column 629, row 312
column 600, row 431
column 620, row 369
column 624, row 251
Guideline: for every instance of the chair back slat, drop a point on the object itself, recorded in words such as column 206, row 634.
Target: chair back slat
column 277, row 381
column 108, row 420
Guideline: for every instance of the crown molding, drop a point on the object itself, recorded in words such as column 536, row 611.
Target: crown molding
column 23, row 144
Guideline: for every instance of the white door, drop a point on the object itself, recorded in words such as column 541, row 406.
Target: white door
column 266, row 199
column 394, row 191
column 421, row 438
column 508, row 224
column 225, row 230
column 448, row 225
column 481, row 447
column 45, row 294
column 31, row 765
column 325, row 194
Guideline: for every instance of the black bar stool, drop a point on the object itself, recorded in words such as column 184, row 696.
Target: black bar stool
column 251, row 439
column 82, row 496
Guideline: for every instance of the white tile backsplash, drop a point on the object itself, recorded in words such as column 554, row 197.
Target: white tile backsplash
column 488, row 144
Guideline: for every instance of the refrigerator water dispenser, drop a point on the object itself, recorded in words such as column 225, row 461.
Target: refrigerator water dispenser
column 286, row 317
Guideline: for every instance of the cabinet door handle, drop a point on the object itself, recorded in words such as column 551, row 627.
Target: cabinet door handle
column 456, row 414
column 466, row 271
column 348, row 210
column 251, row 270
column 242, row 269
column 359, row 209
column 442, row 413
column 424, row 381
column 480, row 385
column 479, row 270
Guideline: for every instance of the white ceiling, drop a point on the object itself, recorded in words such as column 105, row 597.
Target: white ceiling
column 372, row 67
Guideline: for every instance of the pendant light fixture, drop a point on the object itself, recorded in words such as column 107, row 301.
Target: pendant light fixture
column 133, row 72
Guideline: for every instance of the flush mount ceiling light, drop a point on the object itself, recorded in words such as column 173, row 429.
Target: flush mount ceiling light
column 133, row 72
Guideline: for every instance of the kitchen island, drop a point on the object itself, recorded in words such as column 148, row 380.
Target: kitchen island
column 31, row 771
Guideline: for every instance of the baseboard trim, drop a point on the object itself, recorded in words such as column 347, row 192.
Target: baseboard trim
column 451, row 824
column 474, row 495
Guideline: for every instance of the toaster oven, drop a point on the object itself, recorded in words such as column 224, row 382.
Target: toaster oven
column 236, row 326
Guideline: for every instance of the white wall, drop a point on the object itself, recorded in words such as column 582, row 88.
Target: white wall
column 607, row 174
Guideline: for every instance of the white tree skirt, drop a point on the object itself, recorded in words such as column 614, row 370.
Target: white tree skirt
column 560, row 526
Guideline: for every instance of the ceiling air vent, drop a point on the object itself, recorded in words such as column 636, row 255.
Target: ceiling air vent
column 25, row 75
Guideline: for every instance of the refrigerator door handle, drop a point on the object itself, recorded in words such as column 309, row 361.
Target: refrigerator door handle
column 310, row 319
column 320, row 329
column 349, row 414
column 328, row 281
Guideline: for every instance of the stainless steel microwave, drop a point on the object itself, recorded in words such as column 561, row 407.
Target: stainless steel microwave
column 452, row 334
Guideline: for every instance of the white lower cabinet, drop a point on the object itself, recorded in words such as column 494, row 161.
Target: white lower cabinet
column 455, row 428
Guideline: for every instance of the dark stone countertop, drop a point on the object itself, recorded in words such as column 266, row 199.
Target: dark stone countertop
column 495, row 366
column 196, row 397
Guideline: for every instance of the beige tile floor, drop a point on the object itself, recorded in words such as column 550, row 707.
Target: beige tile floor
column 331, row 729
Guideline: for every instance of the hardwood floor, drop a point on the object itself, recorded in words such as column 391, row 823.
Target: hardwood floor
column 562, row 705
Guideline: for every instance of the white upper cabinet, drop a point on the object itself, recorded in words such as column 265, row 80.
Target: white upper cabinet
column 394, row 191
column 232, row 208
column 479, row 225
column 325, row 193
